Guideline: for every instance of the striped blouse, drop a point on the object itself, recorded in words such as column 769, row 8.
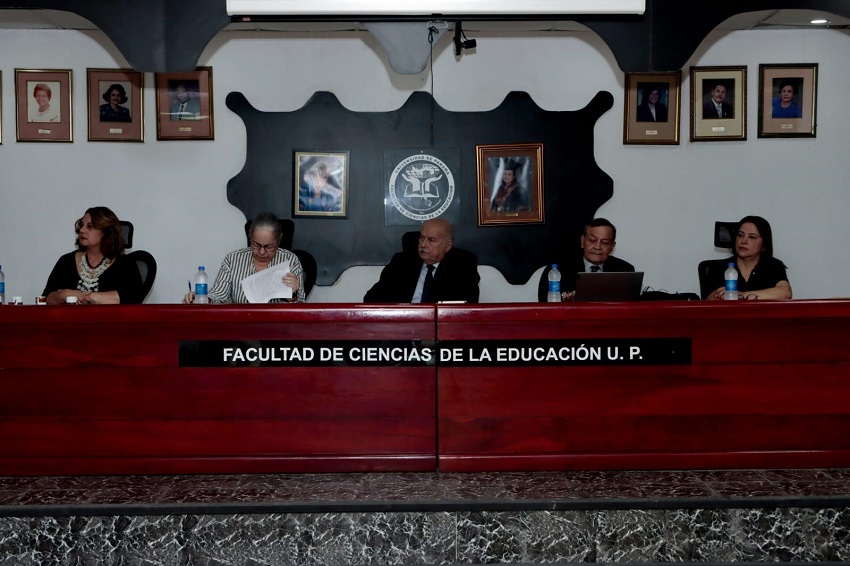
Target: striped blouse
column 240, row 264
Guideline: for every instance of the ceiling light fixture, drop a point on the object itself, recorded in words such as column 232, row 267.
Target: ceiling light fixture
column 430, row 8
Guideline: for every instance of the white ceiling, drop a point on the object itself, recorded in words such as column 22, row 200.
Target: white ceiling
column 765, row 19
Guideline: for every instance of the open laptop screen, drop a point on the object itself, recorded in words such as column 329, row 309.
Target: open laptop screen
column 608, row 286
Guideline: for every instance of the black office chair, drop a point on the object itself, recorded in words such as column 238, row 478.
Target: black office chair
column 127, row 233
column 287, row 231
column 724, row 234
column 146, row 264
column 410, row 242
column 310, row 267
column 712, row 269
column 708, row 271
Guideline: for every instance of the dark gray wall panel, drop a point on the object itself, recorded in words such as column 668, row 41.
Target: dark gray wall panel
column 575, row 187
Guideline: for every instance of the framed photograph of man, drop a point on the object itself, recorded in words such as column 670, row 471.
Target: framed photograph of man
column 788, row 100
column 184, row 105
column 651, row 115
column 44, row 105
column 718, row 103
column 116, row 111
column 321, row 184
column 510, row 184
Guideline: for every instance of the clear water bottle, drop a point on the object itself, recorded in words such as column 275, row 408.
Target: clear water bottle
column 2, row 287
column 731, row 276
column 201, row 296
column 554, row 295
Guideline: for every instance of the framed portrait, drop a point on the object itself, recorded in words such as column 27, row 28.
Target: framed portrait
column 184, row 105
column 43, row 103
column 718, row 103
column 788, row 100
column 510, row 184
column 116, row 111
column 651, row 115
column 321, row 184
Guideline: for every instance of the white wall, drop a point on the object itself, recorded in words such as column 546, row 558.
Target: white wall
column 666, row 198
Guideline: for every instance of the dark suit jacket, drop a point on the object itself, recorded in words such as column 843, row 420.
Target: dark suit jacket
column 456, row 278
column 645, row 115
column 571, row 268
column 709, row 111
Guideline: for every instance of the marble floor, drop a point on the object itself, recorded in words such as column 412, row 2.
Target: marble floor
column 692, row 517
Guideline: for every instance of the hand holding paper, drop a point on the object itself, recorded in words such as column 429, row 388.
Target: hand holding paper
column 268, row 284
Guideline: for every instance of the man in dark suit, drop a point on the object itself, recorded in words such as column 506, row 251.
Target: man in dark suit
column 597, row 245
column 184, row 105
column 716, row 107
column 434, row 271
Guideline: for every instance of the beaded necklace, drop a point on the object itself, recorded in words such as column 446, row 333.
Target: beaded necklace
column 89, row 275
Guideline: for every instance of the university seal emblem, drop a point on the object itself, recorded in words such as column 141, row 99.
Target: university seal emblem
column 421, row 187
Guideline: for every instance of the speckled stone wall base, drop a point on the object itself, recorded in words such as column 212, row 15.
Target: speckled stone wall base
column 781, row 534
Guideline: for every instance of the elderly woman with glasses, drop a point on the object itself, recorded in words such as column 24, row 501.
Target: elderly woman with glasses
column 262, row 253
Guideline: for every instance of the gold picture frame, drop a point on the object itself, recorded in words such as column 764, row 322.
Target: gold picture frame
column 718, row 103
column 321, row 184
column 651, row 114
column 510, row 184
column 44, row 105
column 184, row 105
column 781, row 116
column 116, row 105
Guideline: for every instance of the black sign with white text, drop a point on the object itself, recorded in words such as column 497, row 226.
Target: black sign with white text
column 598, row 352
column 451, row 353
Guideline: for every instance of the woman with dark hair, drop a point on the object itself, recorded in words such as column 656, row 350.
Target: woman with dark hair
column 784, row 105
column 760, row 275
column 112, row 111
column 510, row 196
column 263, row 252
column 97, row 272
column 651, row 109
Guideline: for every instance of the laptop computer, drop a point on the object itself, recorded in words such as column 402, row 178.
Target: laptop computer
column 608, row 286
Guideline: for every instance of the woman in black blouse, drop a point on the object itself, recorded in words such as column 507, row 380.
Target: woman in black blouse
column 760, row 275
column 97, row 272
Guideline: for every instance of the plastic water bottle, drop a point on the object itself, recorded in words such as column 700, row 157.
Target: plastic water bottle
column 554, row 295
column 2, row 287
column 731, row 276
column 201, row 296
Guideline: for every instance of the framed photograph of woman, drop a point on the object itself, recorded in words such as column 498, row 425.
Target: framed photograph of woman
column 43, row 105
column 788, row 100
column 718, row 103
column 510, row 184
column 321, row 184
column 116, row 111
column 184, row 105
column 651, row 115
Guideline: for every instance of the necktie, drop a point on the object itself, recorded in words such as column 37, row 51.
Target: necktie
column 594, row 268
column 181, row 110
column 428, row 285
column 719, row 111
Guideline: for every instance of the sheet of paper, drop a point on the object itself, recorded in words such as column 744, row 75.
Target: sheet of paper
column 267, row 284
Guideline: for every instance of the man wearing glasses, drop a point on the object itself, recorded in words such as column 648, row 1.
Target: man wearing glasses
column 597, row 245
column 262, row 253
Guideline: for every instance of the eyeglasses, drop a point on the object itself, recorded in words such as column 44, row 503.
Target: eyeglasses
column 268, row 247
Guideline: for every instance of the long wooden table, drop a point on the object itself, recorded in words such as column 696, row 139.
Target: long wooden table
column 768, row 385
column 186, row 388
column 103, row 390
